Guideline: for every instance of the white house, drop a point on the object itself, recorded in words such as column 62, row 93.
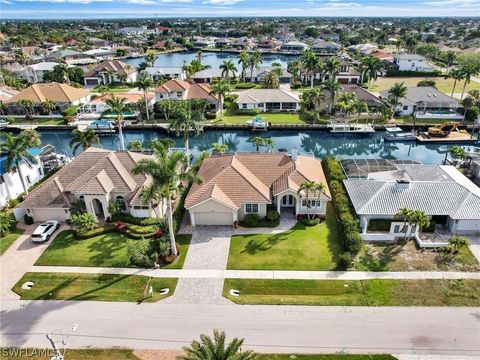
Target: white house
column 96, row 177
column 247, row 183
column 98, row 105
column 108, row 72
column 11, row 185
column 268, row 100
column 322, row 47
column 294, row 46
column 159, row 73
column 182, row 90
column 34, row 73
column 412, row 62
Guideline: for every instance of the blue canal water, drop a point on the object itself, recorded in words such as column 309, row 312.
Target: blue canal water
column 214, row 59
column 320, row 143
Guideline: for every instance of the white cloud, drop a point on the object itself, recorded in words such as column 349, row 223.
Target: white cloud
column 222, row 2
column 453, row 3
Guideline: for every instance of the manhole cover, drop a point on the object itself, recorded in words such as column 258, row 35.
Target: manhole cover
column 164, row 291
column 234, row 292
column 28, row 285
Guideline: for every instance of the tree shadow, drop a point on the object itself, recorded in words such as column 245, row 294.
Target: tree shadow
column 381, row 261
column 104, row 247
column 255, row 246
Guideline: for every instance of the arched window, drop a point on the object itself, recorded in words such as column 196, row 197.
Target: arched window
column 119, row 197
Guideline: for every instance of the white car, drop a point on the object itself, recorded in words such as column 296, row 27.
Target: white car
column 44, row 231
column 3, row 124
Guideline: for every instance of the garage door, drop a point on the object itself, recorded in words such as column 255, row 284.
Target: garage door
column 213, row 218
column 90, row 82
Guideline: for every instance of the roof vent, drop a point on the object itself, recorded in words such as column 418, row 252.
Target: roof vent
column 294, row 154
column 403, row 184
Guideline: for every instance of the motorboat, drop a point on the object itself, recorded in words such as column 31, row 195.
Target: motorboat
column 351, row 128
column 398, row 134
column 258, row 123
column 102, row 127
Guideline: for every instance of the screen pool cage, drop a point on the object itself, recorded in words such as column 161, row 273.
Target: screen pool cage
column 360, row 168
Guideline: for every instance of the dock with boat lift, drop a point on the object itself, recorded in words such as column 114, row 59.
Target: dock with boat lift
column 453, row 137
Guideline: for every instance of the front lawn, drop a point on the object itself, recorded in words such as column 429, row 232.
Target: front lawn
column 437, row 292
column 274, row 118
column 300, row 248
column 443, row 85
column 107, row 250
column 93, row 287
column 7, row 240
column 74, row 354
column 115, row 88
column 39, row 121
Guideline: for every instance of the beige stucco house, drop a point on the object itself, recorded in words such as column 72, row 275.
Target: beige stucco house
column 96, row 177
column 242, row 183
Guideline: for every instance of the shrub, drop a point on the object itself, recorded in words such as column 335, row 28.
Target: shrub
column 310, row 222
column 28, row 219
column 252, row 220
column 394, row 73
column 85, row 221
column 127, row 218
column 248, row 112
column 95, row 232
column 345, row 261
column 245, row 86
column 472, row 114
column 427, row 82
column 7, row 222
column 272, row 215
column 352, row 242
column 70, row 111
column 210, row 116
column 139, row 253
column 116, row 207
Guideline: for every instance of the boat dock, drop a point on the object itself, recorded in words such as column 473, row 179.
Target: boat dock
column 453, row 137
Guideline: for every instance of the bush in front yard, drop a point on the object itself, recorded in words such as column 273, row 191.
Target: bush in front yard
column 139, row 253
column 83, row 221
column 95, row 232
column 310, row 222
column 345, row 261
column 252, row 220
column 273, row 215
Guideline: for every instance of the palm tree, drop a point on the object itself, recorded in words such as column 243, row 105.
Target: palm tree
column 118, row 107
column 269, row 143
column 449, row 57
column 216, row 348
column 228, row 67
column 320, row 189
column 271, row 80
column 150, row 58
column 257, row 141
column 456, row 75
column 370, row 68
column 467, row 104
column 411, row 43
column 311, row 99
column 144, row 83
column 311, row 63
column 28, row 107
column 307, row 187
column 221, row 89
column 243, row 61
column 332, row 66
column 219, row 148
column 256, row 60
column 165, row 173
column 184, row 124
column 468, row 70
column 83, row 139
column 135, row 145
column 199, row 56
column 396, row 92
column 49, row 105
column 333, row 87
column 418, row 220
column 16, row 150
column 404, row 213
column 166, row 142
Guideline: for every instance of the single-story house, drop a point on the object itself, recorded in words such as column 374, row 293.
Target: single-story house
column 34, row 73
column 207, row 76
column 294, row 46
column 6, row 93
column 99, row 104
column 427, row 102
column 64, row 96
column 363, row 95
column 322, row 47
column 443, row 193
column 96, row 177
column 108, row 72
column 268, row 100
column 259, row 74
column 159, row 73
column 181, row 90
column 244, row 183
column 70, row 57
column 412, row 62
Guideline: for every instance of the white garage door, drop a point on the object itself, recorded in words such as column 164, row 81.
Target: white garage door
column 213, row 218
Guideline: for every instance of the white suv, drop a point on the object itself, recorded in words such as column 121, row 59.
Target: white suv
column 44, row 231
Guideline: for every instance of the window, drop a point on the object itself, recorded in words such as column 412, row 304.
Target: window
column 28, row 179
column 119, row 197
column 40, row 171
column 244, row 106
column 179, row 94
column 251, row 208
column 311, row 203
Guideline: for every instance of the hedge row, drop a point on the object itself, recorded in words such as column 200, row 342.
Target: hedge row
column 398, row 73
column 346, row 220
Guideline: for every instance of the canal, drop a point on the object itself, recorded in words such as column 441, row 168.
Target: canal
column 320, row 143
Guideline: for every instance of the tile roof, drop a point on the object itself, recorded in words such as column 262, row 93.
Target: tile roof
column 52, row 91
column 96, row 171
column 266, row 96
column 234, row 179
column 115, row 66
column 193, row 90
column 425, row 94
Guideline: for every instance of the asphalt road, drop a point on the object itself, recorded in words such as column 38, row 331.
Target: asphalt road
column 266, row 328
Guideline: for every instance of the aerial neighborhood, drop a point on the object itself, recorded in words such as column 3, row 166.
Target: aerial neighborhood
column 327, row 162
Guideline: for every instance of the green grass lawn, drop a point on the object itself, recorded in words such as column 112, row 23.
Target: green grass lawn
column 325, row 357
column 7, row 240
column 107, row 250
column 438, row 292
column 116, row 88
column 73, row 354
column 300, row 248
column 92, row 287
column 39, row 121
column 274, row 118
column 443, row 85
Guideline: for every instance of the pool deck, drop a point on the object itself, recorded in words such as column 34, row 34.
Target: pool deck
column 453, row 137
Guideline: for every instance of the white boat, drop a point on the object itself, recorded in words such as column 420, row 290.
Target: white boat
column 103, row 127
column 397, row 134
column 347, row 128
column 258, row 123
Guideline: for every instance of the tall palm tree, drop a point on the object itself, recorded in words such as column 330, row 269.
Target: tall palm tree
column 370, row 68
column 269, row 143
column 311, row 99
column 320, row 189
column 333, row 87
column 469, row 70
column 165, row 173
column 271, row 80
column 83, row 139
column 150, row 58
column 184, row 124
column 228, row 68
column 418, row 220
column 118, row 107
column 449, row 57
column 216, row 348
column 28, row 107
column 49, row 105
column 411, row 43
column 257, row 141
column 144, row 83
column 16, row 150
column 404, row 213
column 311, row 63
column 219, row 148
column 467, row 104
column 256, row 60
column 331, row 66
column 456, row 75
column 243, row 61
column 199, row 56
column 396, row 92
column 221, row 89
column 307, row 187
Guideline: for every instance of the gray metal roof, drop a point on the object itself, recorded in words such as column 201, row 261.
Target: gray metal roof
column 425, row 94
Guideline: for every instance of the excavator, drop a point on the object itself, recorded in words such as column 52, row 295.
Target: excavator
column 443, row 130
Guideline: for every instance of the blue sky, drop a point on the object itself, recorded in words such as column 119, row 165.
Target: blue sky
column 42, row 9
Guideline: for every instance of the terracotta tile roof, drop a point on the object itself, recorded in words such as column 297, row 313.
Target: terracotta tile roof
column 94, row 171
column 52, row 91
column 130, row 98
column 193, row 90
column 173, row 85
column 235, row 179
column 115, row 66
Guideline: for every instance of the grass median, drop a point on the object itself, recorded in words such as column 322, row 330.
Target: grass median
column 438, row 292
column 93, row 287
column 7, row 240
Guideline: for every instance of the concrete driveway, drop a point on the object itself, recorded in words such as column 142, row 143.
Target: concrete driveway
column 19, row 258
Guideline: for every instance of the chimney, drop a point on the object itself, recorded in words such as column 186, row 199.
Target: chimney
column 403, row 184
column 294, row 154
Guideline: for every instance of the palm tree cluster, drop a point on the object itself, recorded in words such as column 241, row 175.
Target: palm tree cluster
column 249, row 62
column 259, row 141
column 83, row 139
column 311, row 188
column 416, row 219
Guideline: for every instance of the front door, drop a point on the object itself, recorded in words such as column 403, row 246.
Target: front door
column 287, row 201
